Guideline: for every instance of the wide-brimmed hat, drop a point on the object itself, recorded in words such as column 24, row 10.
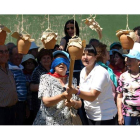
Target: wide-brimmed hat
column 61, row 52
column 27, row 57
column 133, row 54
column 33, row 46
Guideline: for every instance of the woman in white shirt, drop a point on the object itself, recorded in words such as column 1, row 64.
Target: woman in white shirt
column 95, row 87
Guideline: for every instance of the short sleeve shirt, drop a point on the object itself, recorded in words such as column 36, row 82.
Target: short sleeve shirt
column 103, row 107
column 130, row 88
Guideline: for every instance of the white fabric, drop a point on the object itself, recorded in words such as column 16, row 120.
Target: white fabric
column 11, row 67
column 136, row 46
column 103, row 107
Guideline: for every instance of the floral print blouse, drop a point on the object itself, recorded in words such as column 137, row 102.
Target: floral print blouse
column 130, row 88
column 58, row 114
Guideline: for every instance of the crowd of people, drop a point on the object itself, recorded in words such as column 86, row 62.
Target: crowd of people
column 106, row 84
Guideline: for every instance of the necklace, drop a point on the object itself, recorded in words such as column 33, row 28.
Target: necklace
column 135, row 77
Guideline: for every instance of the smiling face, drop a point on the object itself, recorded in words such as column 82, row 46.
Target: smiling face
column 88, row 59
column 132, row 63
column 15, row 57
column 118, row 60
column 46, row 61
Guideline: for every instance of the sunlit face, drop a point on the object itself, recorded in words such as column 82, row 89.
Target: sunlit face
column 88, row 59
column 4, row 54
column 70, row 29
column 61, row 69
column 118, row 60
column 16, row 58
column 131, row 63
column 46, row 61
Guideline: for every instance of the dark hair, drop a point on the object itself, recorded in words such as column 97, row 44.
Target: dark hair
column 120, row 55
column 93, row 40
column 11, row 50
column 90, row 49
column 43, row 52
column 101, row 51
column 137, row 29
column 71, row 21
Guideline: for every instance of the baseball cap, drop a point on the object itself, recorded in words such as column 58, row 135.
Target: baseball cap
column 133, row 54
column 61, row 52
column 121, row 51
column 111, row 51
column 114, row 44
column 33, row 46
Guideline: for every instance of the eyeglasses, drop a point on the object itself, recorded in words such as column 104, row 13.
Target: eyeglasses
column 4, row 51
column 70, row 28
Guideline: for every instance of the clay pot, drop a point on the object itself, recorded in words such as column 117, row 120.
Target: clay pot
column 75, row 52
column 50, row 44
column 2, row 37
column 126, row 42
column 23, row 46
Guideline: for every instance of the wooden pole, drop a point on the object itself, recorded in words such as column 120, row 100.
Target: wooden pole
column 72, row 61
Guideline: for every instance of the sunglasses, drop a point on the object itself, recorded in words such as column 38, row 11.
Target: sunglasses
column 5, row 51
column 70, row 28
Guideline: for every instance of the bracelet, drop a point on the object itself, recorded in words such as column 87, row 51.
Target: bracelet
column 78, row 92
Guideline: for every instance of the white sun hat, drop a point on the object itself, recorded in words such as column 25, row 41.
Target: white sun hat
column 27, row 57
column 33, row 46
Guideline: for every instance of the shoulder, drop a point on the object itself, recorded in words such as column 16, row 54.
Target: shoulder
column 100, row 69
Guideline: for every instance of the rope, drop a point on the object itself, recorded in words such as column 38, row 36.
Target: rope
column 48, row 29
column 74, row 25
column 22, row 29
column 127, row 27
column 22, row 25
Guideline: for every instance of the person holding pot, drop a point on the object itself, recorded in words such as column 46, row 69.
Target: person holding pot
column 128, row 99
column 95, row 87
column 55, row 109
column 69, row 30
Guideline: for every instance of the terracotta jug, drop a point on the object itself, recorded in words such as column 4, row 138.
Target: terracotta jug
column 2, row 37
column 126, row 41
column 50, row 44
column 23, row 46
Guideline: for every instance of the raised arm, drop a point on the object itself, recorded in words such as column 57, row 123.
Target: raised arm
column 62, row 44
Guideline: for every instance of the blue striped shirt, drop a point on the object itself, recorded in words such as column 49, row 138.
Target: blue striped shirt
column 20, row 80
